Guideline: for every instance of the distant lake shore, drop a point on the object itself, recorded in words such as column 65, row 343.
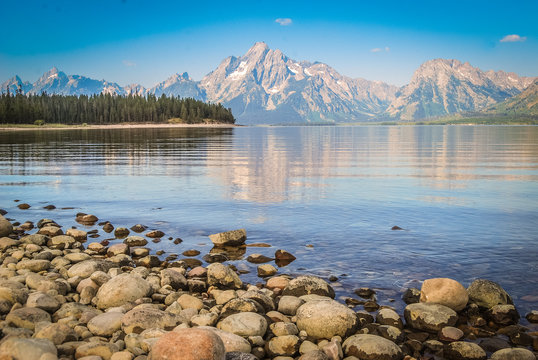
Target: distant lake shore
column 11, row 127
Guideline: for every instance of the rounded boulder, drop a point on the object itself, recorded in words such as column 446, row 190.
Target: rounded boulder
column 444, row 291
column 325, row 319
column 188, row 344
column 371, row 347
column 122, row 289
column 429, row 317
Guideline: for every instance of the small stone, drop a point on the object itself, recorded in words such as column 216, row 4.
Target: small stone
column 23, row 206
column 266, row 270
column 42, row 301
column 108, row 227
column 190, row 302
column 78, row 235
column 305, row 285
column 314, row 354
column 222, row 276
column 154, row 234
column 105, row 324
column 138, row 228
column 132, row 241
column 461, row 350
column 258, row 259
column 34, row 265
column 5, row 226
column 191, row 252
column 389, row 317
column 103, row 349
column 371, row 347
column 513, row 354
column 121, row 232
column 532, row 316
column 450, row 333
column 504, row 314
column 288, row 305
column 57, row 333
column 146, row 317
column 282, row 328
column 116, row 249
column 364, row 292
column 286, row 345
column 283, row 258
column 229, row 238
column 244, row 324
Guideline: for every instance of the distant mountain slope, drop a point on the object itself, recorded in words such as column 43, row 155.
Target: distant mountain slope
column 439, row 87
column 265, row 86
column 179, row 85
column 57, row 82
column 525, row 103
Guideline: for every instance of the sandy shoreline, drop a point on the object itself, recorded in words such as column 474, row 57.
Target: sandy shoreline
column 122, row 126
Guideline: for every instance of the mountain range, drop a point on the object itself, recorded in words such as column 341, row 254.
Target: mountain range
column 264, row 86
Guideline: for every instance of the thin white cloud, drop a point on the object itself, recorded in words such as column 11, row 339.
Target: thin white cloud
column 513, row 38
column 376, row 50
column 284, row 21
column 128, row 63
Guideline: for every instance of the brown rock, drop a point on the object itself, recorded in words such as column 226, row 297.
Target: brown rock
column 188, row 344
column 229, row 238
column 444, row 291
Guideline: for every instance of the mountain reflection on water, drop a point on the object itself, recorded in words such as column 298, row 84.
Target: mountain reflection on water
column 465, row 195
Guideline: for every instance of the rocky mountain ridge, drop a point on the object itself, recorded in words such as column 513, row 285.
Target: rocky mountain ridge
column 264, row 86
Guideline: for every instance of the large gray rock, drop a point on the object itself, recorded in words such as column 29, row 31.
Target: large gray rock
column 306, row 285
column 145, row 317
column 5, row 227
column 105, row 324
column 229, row 238
column 513, row 354
column 429, row 317
column 371, row 347
column 487, row 294
column 244, row 324
column 444, row 291
column 122, row 289
column 27, row 349
column 220, row 275
column 461, row 350
column 325, row 319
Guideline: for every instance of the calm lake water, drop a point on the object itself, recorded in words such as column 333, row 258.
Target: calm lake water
column 467, row 196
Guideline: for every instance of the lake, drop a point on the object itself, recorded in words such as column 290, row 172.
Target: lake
column 466, row 196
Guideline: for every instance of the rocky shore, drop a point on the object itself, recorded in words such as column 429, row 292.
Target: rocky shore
column 63, row 296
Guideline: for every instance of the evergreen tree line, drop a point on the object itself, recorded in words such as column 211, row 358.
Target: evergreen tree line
column 108, row 109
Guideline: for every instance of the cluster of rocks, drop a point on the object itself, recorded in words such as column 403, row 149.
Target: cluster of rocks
column 61, row 300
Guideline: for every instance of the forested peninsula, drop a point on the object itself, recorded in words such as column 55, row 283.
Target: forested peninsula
column 104, row 109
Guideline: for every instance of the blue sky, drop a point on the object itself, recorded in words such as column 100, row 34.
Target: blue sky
column 145, row 42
